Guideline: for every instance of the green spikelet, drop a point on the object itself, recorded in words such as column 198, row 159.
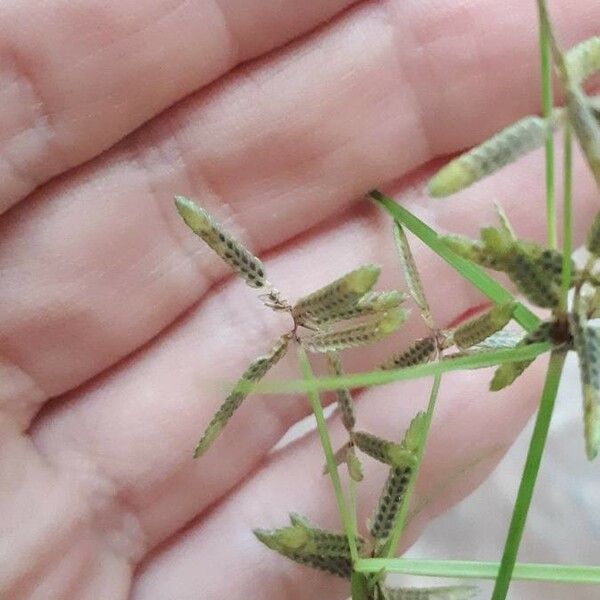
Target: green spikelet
column 305, row 544
column 500, row 150
column 505, row 225
column 411, row 274
column 344, row 398
column 255, row 371
column 422, row 351
column 506, row 373
column 383, row 450
column 478, row 329
column 347, row 455
column 474, row 251
column 370, row 304
column 389, row 502
column 414, row 434
column 455, row 592
column 579, row 108
column 583, row 59
column 358, row 335
column 592, row 242
column 537, row 273
column 355, row 468
column 332, row 301
column 586, row 335
column 231, row 251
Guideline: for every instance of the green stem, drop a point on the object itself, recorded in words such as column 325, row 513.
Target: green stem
column 465, row 569
column 530, row 472
column 398, row 528
column 467, row 269
column 479, row 360
column 567, row 248
column 317, row 409
column 547, row 103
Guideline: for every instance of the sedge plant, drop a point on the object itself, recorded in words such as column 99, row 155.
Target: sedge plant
column 349, row 313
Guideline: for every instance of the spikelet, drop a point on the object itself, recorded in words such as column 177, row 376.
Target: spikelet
column 478, row 329
column 231, row 251
column 309, row 545
column 383, row 450
column 422, row 351
column 355, row 469
column 344, row 398
column 506, row 373
column 592, row 242
column 537, row 274
column 474, row 251
column 583, row 59
column 411, row 274
column 327, row 303
column 500, row 150
column 370, row 304
column 357, row 335
column 346, row 454
column 389, row 502
column 586, row 335
column 455, row 592
column 414, row 434
column 579, row 109
column 255, row 371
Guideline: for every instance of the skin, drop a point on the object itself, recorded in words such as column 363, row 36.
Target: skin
column 117, row 323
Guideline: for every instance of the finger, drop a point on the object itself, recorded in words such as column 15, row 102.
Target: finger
column 470, row 432
column 76, row 79
column 282, row 175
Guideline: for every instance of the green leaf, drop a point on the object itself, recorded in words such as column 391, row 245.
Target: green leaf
column 481, row 280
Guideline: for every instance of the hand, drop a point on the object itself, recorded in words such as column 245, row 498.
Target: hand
column 116, row 321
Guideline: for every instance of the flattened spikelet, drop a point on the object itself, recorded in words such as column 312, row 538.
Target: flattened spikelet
column 473, row 251
column 330, row 302
column 305, row 544
column 255, row 371
column 231, row 251
column 355, row 469
column 358, row 335
column 383, row 450
column 583, row 59
column 411, row 274
column 586, row 335
column 455, row 592
column 506, row 373
column 537, row 274
column 389, row 502
column 500, row 150
column 422, row 351
column 414, row 434
column 592, row 242
column 478, row 329
column 344, row 398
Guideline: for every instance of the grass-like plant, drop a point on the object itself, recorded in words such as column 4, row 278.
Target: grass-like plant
column 349, row 313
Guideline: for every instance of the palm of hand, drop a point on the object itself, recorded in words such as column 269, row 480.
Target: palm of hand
column 111, row 308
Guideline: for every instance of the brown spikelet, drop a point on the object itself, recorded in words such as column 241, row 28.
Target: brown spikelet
column 382, row 450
